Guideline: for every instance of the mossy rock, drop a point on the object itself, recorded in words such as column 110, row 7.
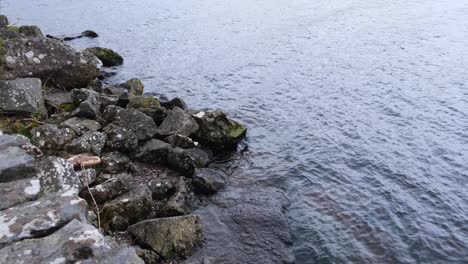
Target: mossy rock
column 143, row 101
column 108, row 57
column 13, row 28
column 134, row 86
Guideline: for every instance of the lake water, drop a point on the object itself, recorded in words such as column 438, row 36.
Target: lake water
column 358, row 108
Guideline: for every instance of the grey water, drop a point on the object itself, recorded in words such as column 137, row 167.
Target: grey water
column 358, row 108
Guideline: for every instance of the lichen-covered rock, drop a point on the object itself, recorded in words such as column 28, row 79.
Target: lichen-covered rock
column 180, row 141
column 127, row 209
column 120, row 139
column 178, row 122
column 50, row 60
column 87, row 177
column 134, row 86
column 108, row 57
column 40, row 217
column 208, row 181
column 115, row 162
column 31, row 31
column 76, row 242
column 57, row 175
column 217, row 131
column 154, row 152
column 51, row 137
column 81, row 125
column 143, row 101
column 109, row 189
column 89, row 142
column 15, row 164
column 21, row 96
column 182, row 161
column 135, row 121
column 172, row 237
column 18, row 192
column 104, row 100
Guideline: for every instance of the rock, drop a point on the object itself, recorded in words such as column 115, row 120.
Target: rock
column 89, row 34
column 17, row 140
column 21, row 96
column 217, row 131
column 162, row 188
column 109, row 189
column 76, row 242
column 182, row 161
column 180, row 141
column 202, row 157
column 132, row 120
column 134, row 86
column 58, row 101
column 87, row 177
column 15, row 164
column 208, row 181
column 245, row 225
column 3, row 22
column 51, row 137
column 31, row 32
column 178, row 122
column 154, row 152
column 81, row 125
column 57, row 175
column 89, row 108
column 115, row 162
column 89, row 142
column 173, row 237
column 157, row 114
column 148, row 256
column 120, row 139
column 91, row 103
column 39, row 218
column 50, row 60
column 176, row 102
column 18, row 192
column 177, row 204
column 108, row 57
column 127, row 209
column 142, row 101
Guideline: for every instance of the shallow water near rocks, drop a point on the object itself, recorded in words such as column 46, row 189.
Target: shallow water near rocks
column 359, row 109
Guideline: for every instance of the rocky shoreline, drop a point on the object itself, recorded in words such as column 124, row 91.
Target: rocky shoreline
column 94, row 172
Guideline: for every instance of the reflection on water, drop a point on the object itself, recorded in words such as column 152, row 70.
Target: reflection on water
column 359, row 108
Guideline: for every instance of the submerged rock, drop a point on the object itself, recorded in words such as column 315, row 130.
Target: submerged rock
column 21, row 96
column 178, row 122
column 208, row 181
column 173, row 237
column 108, row 57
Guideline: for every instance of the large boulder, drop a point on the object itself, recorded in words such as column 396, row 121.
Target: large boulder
column 120, row 139
column 76, row 242
column 178, row 122
column 173, row 237
column 108, row 57
column 50, row 60
column 21, row 96
column 217, row 131
column 51, row 137
column 154, row 152
column 135, row 121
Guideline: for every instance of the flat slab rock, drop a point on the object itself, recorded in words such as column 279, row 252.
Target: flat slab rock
column 39, row 218
column 15, row 164
column 23, row 96
column 18, row 192
column 74, row 243
column 248, row 225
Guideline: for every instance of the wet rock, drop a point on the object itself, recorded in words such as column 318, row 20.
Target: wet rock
column 21, row 96
column 41, row 217
column 89, row 34
column 135, row 121
column 158, row 114
column 217, row 131
column 115, row 162
column 51, row 137
column 109, row 189
column 176, row 102
column 253, row 224
column 208, row 181
column 178, row 122
column 18, row 192
column 89, row 142
column 120, row 139
column 134, row 86
column 202, row 157
column 31, row 31
column 178, row 203
column 15, row 164
column 57, row 175
column 127, row 209
column 108, row 57
column 173, row 237
column 81, row 125
column 50, row 60
column 76, row 242
column 182, row 161
column 154, row 152
column 143, row 101
column 180, row 141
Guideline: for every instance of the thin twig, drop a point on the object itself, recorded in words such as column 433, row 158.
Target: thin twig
column 98, row 212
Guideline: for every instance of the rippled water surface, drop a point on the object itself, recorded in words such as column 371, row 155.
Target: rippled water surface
column 358, row 107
